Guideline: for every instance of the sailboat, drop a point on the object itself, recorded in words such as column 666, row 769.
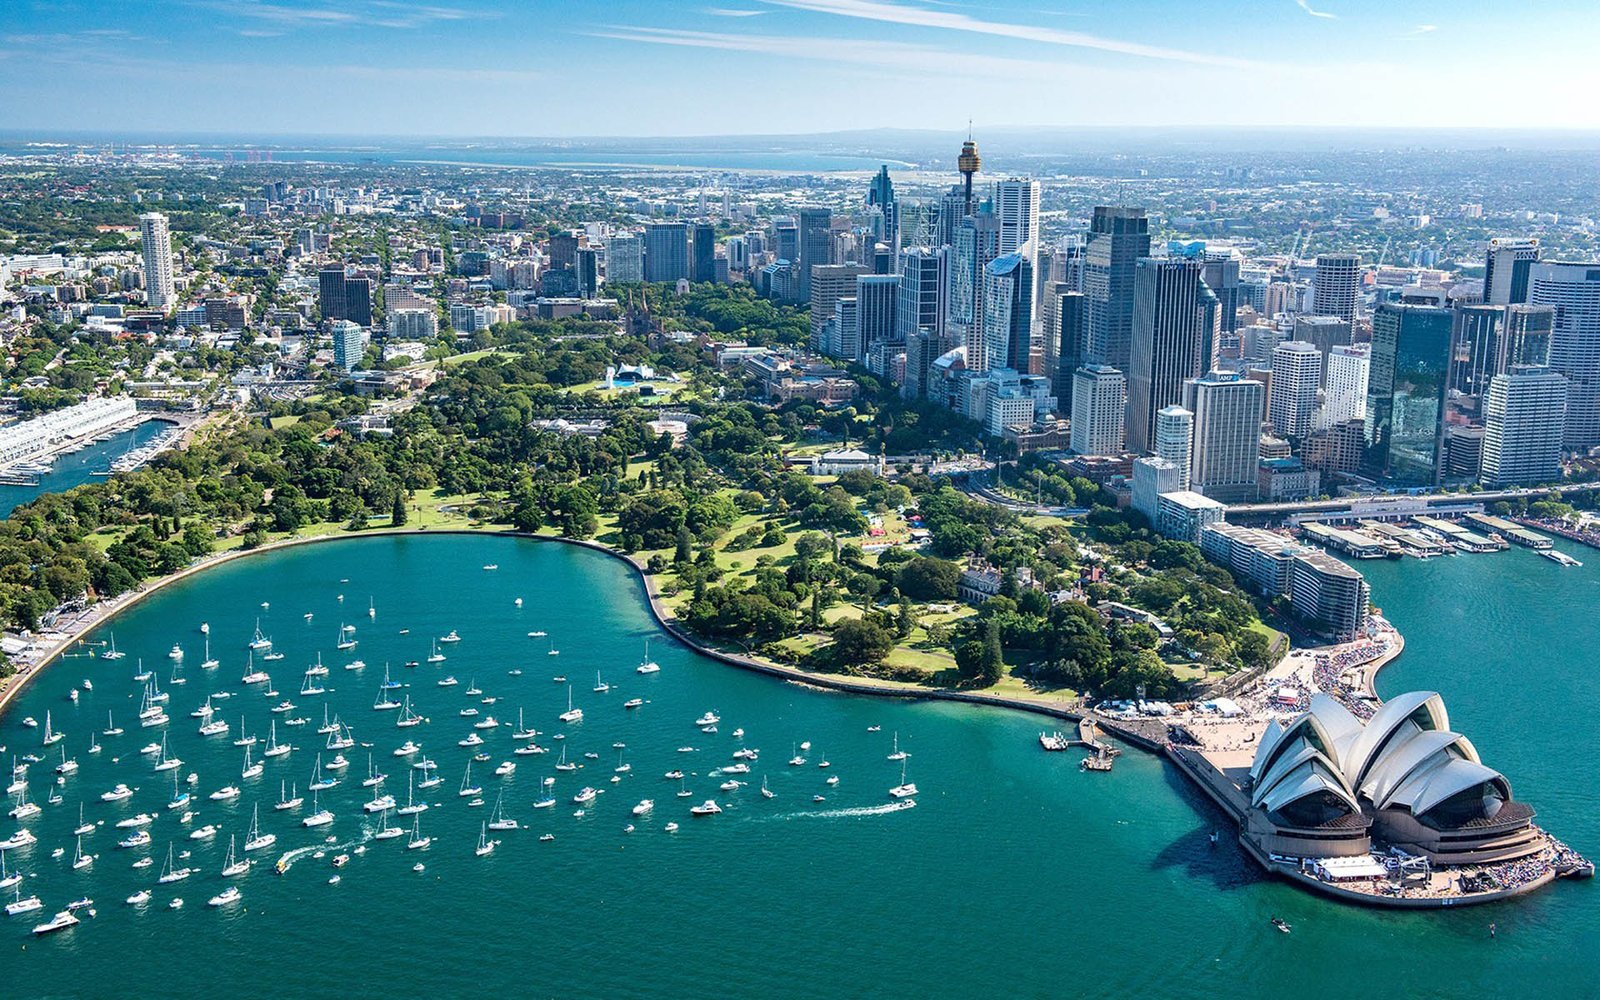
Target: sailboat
column 388, row 685
column 485, row 845
column 175, row 677
column 898, row 753
column 167, row 763
column 600, row 686
column 385, row 701
column 372, row 611
column 8, row 879
column 523, row 732
column 647, row 665
column 417, row 840
column 180, row 798
column 436, row 656
column 50, row 737
column 373, row 778
column 244, row 740
column 234, row 865
column 319, row 781
column 407, row 716
column 385, row 831
column 255, row 840
column 209, row 663
column 291, row 800
column 319, row 816
column 251, row 770
column 412, row 805
column 259, row 641
column 905, row 789
column 571, row 714
column 80, row 860
column 309, row 687
column 468, row 789
column 347, row 637
column 274, row 748
column 498, row 820
column 82, row 827
column 170, row 874
column 562, row 764
column 766, row 792
column 111, row 653
column 112, row 729
column 254, row 674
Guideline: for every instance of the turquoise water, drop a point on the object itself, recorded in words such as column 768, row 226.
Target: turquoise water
column 1016, row 874
column 79, row 467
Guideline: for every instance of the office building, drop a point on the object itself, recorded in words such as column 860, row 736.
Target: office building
column 841, row 335
column 876, row 295
column 1479, row 332
column 347, row 345
column 977, row 242
column 666, row 251
column 880, row 196
column 1326, row 332
column 921, row 292
column 1526, row 340
column 1118, row 238
column 1171, row 309
column 587, row 271
column 1175, row 440
column 1410, row 361
column 1525, row 419
column 1220, row 272
column 155, row 241
column 1506, row 267
column 1227, row 435
column 358, row 301
column 703, row 267
column 1007, row 316
column 564, row 248
column 829, row 283
column 1063, row 326
column 1153, row 476
column 1336, row 287
column 815, row 235
column 1296, row 383
column 1099, row 396
column 1572, row 289
column 625, row 257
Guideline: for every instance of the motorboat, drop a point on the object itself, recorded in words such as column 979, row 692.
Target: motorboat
column 229, row 895
column 707, row 808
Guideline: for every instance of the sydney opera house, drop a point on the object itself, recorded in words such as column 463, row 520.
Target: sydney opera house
column 1328, row 785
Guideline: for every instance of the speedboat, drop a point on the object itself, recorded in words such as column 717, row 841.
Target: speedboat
column 225, row 793
column 584, row 796
column 671, row 828
column 139, row 898
column 644, row 806
column 708, row 719
column 633, row 703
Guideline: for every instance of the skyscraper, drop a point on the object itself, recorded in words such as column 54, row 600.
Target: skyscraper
column 588, row 271
column 1525, row 418
column 347, row 348
column 816, row 243
column 666, row 251
column 1296, row 381
column 1526, row 340
column 704, row 264
column 358, row 301
column 1405, row 393
column 1007, row 315
column 921, row 292
column 1118, row 238
column 1175, row 440
column 564, row 248
column 876, row 298
column 1220, row 272
column 880, row 195
column 1171, row 308
column 1227, row 435
column 330, row 292
column 1063, row 326
column 156, row 242
column 625, row 257
column 1573, row 290
column 1477, row 338
column 841, row 336
column 1099, row 394
column 977, row 243
column 968, row 163
column 1345, row 385
column 1016, row 206
column 1336, row 289
column 829, row 283
column 1505, row 274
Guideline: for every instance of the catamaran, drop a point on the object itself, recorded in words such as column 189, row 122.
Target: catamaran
column 259, row 641
column 905, row 789
column 647, row 665
column 111, row 653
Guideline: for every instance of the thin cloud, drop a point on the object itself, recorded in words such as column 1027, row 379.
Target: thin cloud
column 1423, row 29
column 371, row 13
column 898, row 13
column 732, row 12
column 1305, row 5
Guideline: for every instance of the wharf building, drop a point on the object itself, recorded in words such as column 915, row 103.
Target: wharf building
column 43, row 435
column 1329, row 596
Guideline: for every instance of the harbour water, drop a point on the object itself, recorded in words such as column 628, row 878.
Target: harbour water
column 1016, row 874
column 80, row 466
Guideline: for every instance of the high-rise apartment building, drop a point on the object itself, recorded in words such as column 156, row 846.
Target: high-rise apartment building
column 1345, row 385
column 1007, row 316
column 625, row 257
column 1525, row 416
column 1118, row 238
column 1410, row 362
column 1572, row 289
column 347, row 345
column 1336, row 288
column 330, row 292
column 1295, row 383
column 1227, row 435
column 1099, row 394
column 1171, row 312
column 1175, row 440
column 156, row 242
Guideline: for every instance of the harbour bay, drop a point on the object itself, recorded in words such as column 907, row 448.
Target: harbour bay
column 1015, row 874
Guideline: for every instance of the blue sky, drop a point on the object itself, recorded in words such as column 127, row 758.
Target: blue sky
column 681, row 67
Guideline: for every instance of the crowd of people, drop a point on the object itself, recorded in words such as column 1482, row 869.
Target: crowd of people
column 1329, row 676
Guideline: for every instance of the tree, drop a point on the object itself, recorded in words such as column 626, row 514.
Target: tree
column 685, row 549
column 926, row 579
column 992, row 664
column 397, row 514
column 861, row 641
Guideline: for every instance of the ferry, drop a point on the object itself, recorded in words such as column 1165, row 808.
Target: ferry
column 1559, row 558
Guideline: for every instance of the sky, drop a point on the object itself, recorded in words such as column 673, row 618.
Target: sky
column 702, row 67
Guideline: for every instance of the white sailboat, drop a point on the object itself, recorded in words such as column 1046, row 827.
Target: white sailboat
column 255, row 840
column 647, row 665
column 417, row 841
column 319, row 816
column 898, row 753
column 112, row 729
column 412, row 806
column 259, row 641
column 290, row 800
column 571, row 714
column 468, row 789
column 169, row 874
column 905, row 789
column 251, row 769
column 498, row 819
column 407, row 717
column 385, row 831
column 111, row 653
column 234, row 865
column 274, row 748
column 485, row 845
column 210, row 662
column 436, row 656
column 80, row 860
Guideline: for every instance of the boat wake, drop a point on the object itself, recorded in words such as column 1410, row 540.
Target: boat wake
column 290, row 857
column 883, row 810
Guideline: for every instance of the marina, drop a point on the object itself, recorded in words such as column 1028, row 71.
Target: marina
column 75, row 467
column 1022, row 798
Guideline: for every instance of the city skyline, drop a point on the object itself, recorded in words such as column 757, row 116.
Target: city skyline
column 378, row 67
